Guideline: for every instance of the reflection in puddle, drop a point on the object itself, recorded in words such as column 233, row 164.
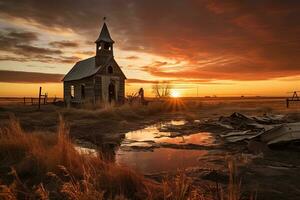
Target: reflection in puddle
column 148, row 133
column 154, row 134
column 176, row 122
column 85, row 150
column 202, row 138
column 161, row 159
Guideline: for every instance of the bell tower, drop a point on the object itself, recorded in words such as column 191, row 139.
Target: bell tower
column 104, row 46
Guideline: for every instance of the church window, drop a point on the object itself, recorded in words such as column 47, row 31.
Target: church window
column 110, row 69
column 107, row 46
column 72, row 92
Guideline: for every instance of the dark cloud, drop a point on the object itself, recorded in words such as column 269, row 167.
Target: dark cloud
column 233, row 72
column 87, row 53
column 132, row 57
column 177, row 83
column 29, row 77
column 63, row 44
column 12, row 58
column 20, row 45
column 29, row 50
column 240, row 40
column 69, row 59
column 10, row 38
column 23, row 36
column 42, row 58
column 133, row 80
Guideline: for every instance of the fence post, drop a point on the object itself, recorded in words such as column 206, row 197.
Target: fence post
column 24, row 101
column 46, row 98
column 40, row 93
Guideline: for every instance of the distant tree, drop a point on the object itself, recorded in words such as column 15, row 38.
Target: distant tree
column 161, row 89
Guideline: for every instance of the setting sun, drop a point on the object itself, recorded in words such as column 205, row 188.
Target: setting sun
column 175, row 93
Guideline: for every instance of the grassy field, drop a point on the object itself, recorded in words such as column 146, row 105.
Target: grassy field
column 107, row 123
column 109, row 119
column 38, row 159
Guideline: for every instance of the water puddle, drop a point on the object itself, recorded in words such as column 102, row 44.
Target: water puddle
column 86, row 150
column 147, row 150
column 161, row 159
column 202, row 138
column 152, row 132
column 84, row 147
column 155, row 134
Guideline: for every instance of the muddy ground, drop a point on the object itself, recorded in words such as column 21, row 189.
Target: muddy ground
column 269, row 173
column 266, row 172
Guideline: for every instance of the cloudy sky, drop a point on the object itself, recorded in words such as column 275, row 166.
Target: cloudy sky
column 213, row 47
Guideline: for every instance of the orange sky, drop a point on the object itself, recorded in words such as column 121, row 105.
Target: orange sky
column 223, row 48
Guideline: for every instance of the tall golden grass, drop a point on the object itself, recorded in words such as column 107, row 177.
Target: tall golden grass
column 51, row 167
column 47, row 166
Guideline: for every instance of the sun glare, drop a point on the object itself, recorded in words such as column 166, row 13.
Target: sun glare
column 175, row 94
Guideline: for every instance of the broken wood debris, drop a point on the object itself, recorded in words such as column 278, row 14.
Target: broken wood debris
column 270, row 129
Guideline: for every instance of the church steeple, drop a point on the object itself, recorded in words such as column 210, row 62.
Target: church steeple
column 104, row 35
column 104, row 45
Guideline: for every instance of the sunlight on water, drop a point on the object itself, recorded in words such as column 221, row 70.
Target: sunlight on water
column 85, row 150
column 176, row 122
column 141, row 149
column 152, row 132
column 148, row 133
column 161, row 159
column 202, row 138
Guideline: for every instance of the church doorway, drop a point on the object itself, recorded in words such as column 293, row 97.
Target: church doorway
column 111, row 93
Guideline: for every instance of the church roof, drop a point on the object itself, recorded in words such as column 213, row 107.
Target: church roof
column 82, row 69
column 86, row 68
column 104, row 35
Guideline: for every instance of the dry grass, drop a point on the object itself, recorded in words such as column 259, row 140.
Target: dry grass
column 49, row 167
column 180, row 188
column 42, row 170
column 131, row 111
column 107, row 118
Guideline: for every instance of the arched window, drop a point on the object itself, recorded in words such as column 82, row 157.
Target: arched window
column 72, row 91
column 106, row 46
column 110, row 69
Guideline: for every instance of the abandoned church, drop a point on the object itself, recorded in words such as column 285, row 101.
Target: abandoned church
column 96, row 79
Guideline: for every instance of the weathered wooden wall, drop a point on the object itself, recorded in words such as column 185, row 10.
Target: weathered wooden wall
column 96, row 86
column 121, row 94
column 89, row 90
